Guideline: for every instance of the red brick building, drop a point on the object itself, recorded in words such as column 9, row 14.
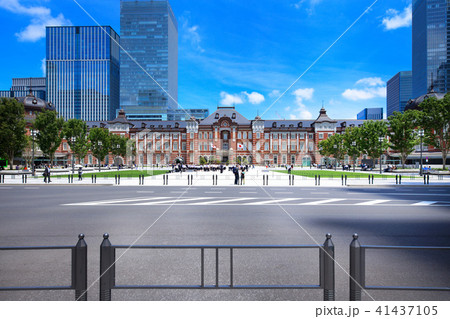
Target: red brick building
column 226, row 136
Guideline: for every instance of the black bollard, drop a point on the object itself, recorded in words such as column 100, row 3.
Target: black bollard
column 400, row 179
column 327, row 265
column 356, row 269
column 107, row 269
column 396, row 179
column 428, row 179
column 316, row 179
column 79, row 269
column 319, row 180
column 372, row 178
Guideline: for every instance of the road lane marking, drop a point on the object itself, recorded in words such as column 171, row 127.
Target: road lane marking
column 145, row 192
column 168, row 201
column 248, row 192
column 373, row 202
column 213, row 192
column 111, row 202
column 424, row 203
column 284, row 192
column 222, row 201
column 273, row 201
column 321, row 202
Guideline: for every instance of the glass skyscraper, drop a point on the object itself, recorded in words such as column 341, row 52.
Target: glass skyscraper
column 83, row 72
column 430, row 31
column 149, row 34
column 398, row 92
column 374, row 113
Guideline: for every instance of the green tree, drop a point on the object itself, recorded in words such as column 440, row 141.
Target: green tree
column 75, row 132
column 333, row 146
column 435, row 120
column 371, row 131
column 118, row 145
column 202, row 160
column 403, row 137
column 352, row 143
column 12, row 129
column 100, row 143
column 49, row 132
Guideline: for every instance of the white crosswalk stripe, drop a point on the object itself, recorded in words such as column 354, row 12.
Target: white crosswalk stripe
column 322, row 202
column 373, row 202
column 273, row 201
column 424, row 203
column 221, row 201
column 253, row 201
column 168, row 201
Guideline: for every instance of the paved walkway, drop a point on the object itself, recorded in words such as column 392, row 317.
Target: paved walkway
column 254, row 177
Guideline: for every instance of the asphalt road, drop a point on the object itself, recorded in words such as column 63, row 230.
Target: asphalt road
column 55, row 215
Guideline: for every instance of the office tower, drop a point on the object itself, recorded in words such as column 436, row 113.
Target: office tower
column 150, row 36
column 398, row 92
column 21, row 87
column 375, row 113
column 429, row 46
column 83, row 72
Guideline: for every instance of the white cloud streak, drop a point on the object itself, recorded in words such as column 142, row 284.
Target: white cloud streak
column 230, row 99
column 255, row 97
column 364, row 94
column 395, row 20
column 370, row 82
column 40, row 18
column 301, row 112
column 191, row 34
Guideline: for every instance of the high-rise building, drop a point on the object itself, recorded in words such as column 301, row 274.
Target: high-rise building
column 398, row 92
column 149, row 38
column 83, row 72
column 430, row 49
column 374, row 113
column 21, row 87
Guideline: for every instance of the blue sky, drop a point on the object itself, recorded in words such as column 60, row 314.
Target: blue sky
column 247, row 52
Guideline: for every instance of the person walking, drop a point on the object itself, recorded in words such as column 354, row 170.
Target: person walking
column 80, row 174
column 236, row 175
column 243, row 176
column 47, row 174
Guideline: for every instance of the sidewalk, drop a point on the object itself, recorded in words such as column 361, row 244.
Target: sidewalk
column 254, row 177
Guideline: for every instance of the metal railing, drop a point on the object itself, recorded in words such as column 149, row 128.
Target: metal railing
column 108, row 269
column 358, row 268
column 79, row 269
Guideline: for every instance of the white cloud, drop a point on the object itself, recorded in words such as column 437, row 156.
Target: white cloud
column 369, row 88
column 274, row 93
column 255, row 97
column 395, row 19
column 309, row 4
column 364, row 94
column 301, row 112
column 43, row 67
column 370, row 82
column 229, row 99
column 190, row 33
column 40, row 18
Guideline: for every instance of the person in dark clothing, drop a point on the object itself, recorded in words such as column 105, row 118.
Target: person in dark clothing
column 80, row 174
column 236, row 175
column 47, row 174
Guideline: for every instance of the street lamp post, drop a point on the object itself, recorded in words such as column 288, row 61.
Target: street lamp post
column 381, row 139
column 33, row 169
column 421, row 133
column 73, row 138
column 99, row 160
column 354, row 157
column 335, row 160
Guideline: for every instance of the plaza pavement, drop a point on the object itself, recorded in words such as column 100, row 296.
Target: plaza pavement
column 254, row 177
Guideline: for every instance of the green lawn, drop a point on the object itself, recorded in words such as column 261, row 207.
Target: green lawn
column 335, row 174
column 122, row 173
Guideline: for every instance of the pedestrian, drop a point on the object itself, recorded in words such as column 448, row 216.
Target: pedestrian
column 80, row 174
column 236, row 175
column 47, row 174
column 243, row 177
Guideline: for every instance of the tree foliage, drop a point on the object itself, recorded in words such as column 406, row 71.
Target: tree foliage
column 49, row 132
column 435, row 120
column 371, row 131
column 75, row 132
column 352, row 136
column 118, row 145
column 333, row 146
column 403, row 137
column 12, row 129
column 100, row 143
